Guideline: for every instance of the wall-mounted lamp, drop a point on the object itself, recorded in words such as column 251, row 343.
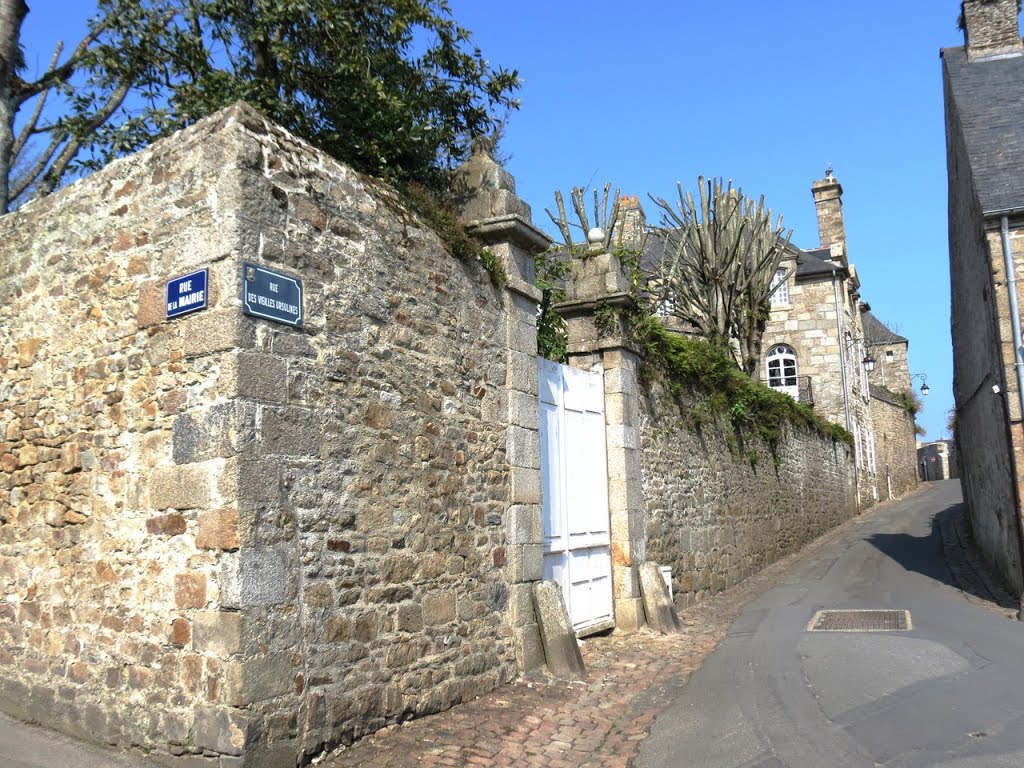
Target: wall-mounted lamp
column 925, row 389
column 869, row 362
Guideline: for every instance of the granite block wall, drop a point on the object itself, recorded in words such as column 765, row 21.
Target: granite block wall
column 719, row 506
column 224, row 539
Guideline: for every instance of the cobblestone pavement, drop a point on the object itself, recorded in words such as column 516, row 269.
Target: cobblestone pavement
column 598, row 723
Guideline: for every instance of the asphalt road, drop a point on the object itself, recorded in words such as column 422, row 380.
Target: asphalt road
column 949, row 692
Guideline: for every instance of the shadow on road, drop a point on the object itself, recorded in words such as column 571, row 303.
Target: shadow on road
column 947, row 554
column 921, row 554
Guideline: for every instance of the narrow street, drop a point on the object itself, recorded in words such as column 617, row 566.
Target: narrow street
column 745, row 685
column 949, row 692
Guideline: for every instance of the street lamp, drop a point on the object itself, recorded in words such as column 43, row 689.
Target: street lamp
column 869, row 363
column 925, row 389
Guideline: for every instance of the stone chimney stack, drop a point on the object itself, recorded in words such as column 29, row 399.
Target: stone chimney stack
column 828, row 199
column 991, row 28
column 632, row 222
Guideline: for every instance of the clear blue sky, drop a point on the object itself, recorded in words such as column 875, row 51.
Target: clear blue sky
column 644, row 94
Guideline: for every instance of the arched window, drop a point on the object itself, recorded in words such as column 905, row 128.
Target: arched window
column 782, row 370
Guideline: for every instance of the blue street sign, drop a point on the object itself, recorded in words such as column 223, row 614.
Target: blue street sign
column 187, row 293
column 271, row 295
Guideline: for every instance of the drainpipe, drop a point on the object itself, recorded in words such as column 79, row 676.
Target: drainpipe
column 846, row 390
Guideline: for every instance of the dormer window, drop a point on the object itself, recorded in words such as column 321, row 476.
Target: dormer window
column 780, row 288
column 889, row 355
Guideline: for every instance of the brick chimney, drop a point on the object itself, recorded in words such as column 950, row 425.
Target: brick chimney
column 632, row 223
column 828, row 199
column 991, row 28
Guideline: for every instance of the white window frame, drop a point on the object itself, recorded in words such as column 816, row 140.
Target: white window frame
column 788, row 382
column 780, row 288
column 666, row 307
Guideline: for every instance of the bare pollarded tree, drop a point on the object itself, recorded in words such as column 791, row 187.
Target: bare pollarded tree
column 67, row 110
column 606, row 216
column 718, row 266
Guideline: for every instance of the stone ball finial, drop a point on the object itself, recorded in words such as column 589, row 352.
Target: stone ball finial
column 595, row 236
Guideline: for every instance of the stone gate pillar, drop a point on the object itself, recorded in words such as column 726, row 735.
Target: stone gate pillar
column 596, row 292
column 493, row 213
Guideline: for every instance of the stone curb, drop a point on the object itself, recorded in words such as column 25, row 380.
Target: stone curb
column 970, row 572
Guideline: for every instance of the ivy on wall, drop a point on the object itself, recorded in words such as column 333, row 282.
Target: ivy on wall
column 689, row 364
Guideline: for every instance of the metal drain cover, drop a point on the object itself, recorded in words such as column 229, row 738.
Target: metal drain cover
column 860, row 621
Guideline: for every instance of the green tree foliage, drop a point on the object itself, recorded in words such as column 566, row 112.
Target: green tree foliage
column 912, row 404
column 395, row 88
column 76, row 108
column 552, row 268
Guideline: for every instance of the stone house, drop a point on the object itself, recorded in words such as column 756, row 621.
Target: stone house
column 814, row 343
column 938, row 460
column 244, row 533
column 983, row 85
column 891, row 395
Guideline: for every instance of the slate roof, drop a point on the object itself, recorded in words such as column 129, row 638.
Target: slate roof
column 885, row 395
column 808, row 263
column 815, row 262
column 989, row 100
column 876, row 332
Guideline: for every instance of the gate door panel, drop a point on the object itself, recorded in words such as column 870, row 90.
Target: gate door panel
column 574, row 477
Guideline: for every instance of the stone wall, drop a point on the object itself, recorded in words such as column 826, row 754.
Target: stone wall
column 110, row 553
column 937, row 461
column 719, row 510
column 988, row 473
column 896, row 444
column 233, row 542
column 228, row 537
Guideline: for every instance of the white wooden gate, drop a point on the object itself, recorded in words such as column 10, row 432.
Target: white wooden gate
column 574, row 477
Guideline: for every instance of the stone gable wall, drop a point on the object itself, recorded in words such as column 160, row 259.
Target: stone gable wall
column 896, row 446
column 892, row 374
column 220, row 535
column 720, row 508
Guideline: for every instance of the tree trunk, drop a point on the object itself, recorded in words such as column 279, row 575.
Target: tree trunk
column 12, row 14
